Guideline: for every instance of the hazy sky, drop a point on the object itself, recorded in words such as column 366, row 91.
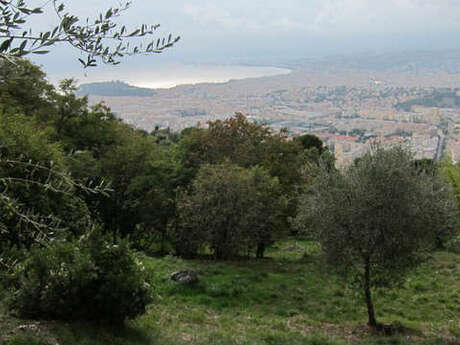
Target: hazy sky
column 234, row 30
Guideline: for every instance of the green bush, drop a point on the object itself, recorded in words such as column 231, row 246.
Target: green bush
column 9, row 257
column 87, row 280
column 453, row 245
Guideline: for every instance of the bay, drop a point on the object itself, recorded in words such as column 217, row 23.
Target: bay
column 171, row 75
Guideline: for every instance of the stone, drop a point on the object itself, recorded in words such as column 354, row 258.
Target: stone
column 185, row 277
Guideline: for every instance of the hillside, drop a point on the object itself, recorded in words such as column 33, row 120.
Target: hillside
column 113, row 89
column 286, row 299
column 413, row 62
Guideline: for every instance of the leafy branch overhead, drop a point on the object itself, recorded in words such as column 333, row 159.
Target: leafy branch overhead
column 100, row 39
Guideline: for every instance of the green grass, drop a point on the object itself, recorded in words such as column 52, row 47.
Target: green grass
column 289, row 298
column 26, row 340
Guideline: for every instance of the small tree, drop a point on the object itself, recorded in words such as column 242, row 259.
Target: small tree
column 230, row 210
column 375, row 219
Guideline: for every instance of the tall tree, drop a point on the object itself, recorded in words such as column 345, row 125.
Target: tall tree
column 247, row 144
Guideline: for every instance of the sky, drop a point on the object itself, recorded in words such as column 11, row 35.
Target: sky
column 222, row 31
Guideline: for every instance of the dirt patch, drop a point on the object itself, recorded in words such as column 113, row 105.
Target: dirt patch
column 354, row 334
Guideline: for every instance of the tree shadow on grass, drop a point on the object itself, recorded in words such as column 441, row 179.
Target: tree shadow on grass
column 86, row 333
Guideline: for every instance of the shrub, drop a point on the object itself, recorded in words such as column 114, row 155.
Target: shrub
column 87, row 280
column 453, row 245
column 9, row 257
column 22, row 339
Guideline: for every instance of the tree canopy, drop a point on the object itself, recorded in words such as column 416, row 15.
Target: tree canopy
column 375, row 219
column 230, row 209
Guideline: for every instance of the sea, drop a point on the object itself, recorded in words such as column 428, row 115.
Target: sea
column 171, row 75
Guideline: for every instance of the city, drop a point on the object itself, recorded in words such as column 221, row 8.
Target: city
column 347, row 107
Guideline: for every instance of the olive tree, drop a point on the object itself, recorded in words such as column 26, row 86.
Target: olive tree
column 376, row 219
column 99, row 38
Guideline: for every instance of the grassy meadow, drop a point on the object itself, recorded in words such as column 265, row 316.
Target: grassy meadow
column 288, row 298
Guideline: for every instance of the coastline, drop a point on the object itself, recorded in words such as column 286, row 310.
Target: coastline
column 177, row 75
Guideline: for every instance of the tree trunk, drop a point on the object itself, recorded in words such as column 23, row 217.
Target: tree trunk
column 260, row 250
column 163, row 239
column 218, row 252
column 367, row 290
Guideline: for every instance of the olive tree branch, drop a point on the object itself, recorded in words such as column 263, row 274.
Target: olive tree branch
column 101, row 39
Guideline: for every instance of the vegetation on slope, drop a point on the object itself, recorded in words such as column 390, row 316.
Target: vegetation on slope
column 69, row 171
column 113, row 89
column 289, row 298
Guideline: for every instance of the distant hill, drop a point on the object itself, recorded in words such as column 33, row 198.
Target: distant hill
column 402, row 62
column 440, row 98
column 114, row 89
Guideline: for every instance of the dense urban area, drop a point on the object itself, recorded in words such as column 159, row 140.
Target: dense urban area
column 413, row 100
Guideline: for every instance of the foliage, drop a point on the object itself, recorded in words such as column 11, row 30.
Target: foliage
column 114, row 89
column 443, row 98
column 310, row 141
column 143, row 178
column 230, row 209
column 26, row 340
column 375, row 219
column 86, row 280
column 247, row 144
column 452, row 174
column 243, row 143
column 426, row 166
column 100, row 39
column 11, row 256
column 66, row 117
column 96, row 148
column 153, row 194
column 235, row 139
column 24, row 89
column 37, row 195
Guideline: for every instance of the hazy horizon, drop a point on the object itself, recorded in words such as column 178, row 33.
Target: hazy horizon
column 263, row 32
